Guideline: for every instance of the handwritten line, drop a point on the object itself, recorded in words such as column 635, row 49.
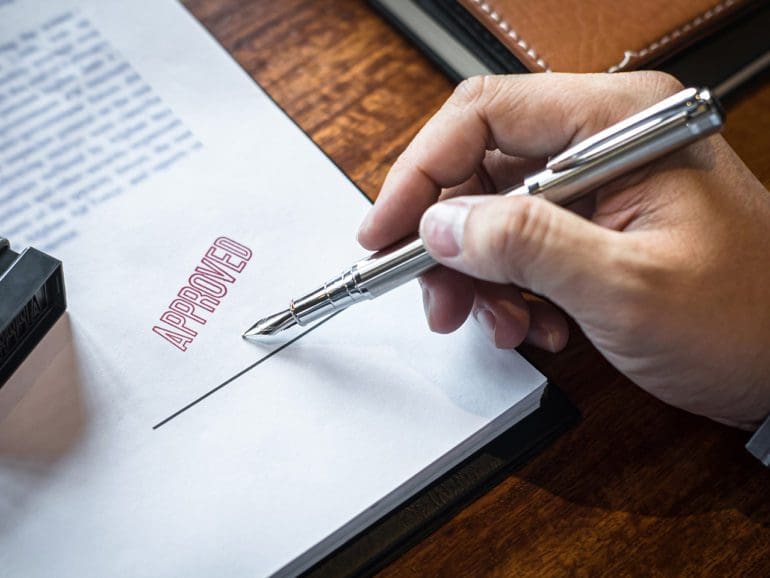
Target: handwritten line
column 241, row 373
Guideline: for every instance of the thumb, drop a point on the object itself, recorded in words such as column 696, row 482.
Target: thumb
column 526, row 241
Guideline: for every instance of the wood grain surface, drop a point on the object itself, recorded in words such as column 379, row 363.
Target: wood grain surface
column 637, row 488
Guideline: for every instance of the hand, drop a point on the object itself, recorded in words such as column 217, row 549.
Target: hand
column 667, row 271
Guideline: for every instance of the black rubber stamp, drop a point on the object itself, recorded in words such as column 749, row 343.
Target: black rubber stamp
column 32, row 298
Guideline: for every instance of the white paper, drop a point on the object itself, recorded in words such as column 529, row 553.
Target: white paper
column 129, row 143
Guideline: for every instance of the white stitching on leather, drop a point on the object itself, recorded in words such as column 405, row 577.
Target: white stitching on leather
column 500, row 22
column 629, row 55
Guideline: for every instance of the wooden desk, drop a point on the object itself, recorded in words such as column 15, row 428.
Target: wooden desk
column 637, row 488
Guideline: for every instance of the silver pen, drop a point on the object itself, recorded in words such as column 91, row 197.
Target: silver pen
column 648, row 135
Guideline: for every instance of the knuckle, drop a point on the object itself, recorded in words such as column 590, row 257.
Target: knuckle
column 471, row 91
column 661, row 83
column 655, row 83
column 627, row 93
column 403, row 161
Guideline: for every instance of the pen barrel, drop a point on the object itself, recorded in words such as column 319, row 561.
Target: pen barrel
column 392, row 267
column 646, row 141
column 366, row 279
column 563, row 187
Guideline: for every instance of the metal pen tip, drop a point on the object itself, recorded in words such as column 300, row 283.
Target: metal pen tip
column 270, row 325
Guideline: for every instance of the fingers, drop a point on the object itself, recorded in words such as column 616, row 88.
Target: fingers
column 548, row 327
column 507, row 317
column 522, row 240
column 497, row 172
column 447, row 297
column 501, row 313
column 510, row 318
column 530, row 116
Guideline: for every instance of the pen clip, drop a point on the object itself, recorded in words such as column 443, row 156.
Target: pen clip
column 669, row 112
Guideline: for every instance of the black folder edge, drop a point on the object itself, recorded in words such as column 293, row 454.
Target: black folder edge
column 396, row 532
column 723, row 60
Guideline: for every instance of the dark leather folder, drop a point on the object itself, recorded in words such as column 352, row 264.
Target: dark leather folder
column 719, row 44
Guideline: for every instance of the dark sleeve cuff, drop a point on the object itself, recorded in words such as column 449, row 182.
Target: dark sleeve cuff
column 759, row 444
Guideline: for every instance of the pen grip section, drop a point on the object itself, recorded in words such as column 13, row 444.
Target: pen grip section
column 366, row 279
column 334, row 295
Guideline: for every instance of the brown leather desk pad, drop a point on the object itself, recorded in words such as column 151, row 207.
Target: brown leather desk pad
column 600, row 35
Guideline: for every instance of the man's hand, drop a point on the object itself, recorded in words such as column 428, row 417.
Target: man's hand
column 667, row 270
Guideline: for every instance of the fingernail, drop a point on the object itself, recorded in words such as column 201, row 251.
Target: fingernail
column 487, row 321
column 544, row 338
column 425, row 301
column 442, row 227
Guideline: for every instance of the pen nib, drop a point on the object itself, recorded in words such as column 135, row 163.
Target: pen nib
column 270, row 325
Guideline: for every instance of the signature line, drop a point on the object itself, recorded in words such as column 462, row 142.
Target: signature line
column 240, row 373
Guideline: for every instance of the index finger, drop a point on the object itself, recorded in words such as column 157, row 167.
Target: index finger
column 530, row 115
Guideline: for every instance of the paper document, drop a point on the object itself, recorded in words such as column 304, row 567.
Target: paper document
column 150, row 439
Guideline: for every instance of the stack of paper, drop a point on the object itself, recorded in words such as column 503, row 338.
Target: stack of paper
column 185, row 205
